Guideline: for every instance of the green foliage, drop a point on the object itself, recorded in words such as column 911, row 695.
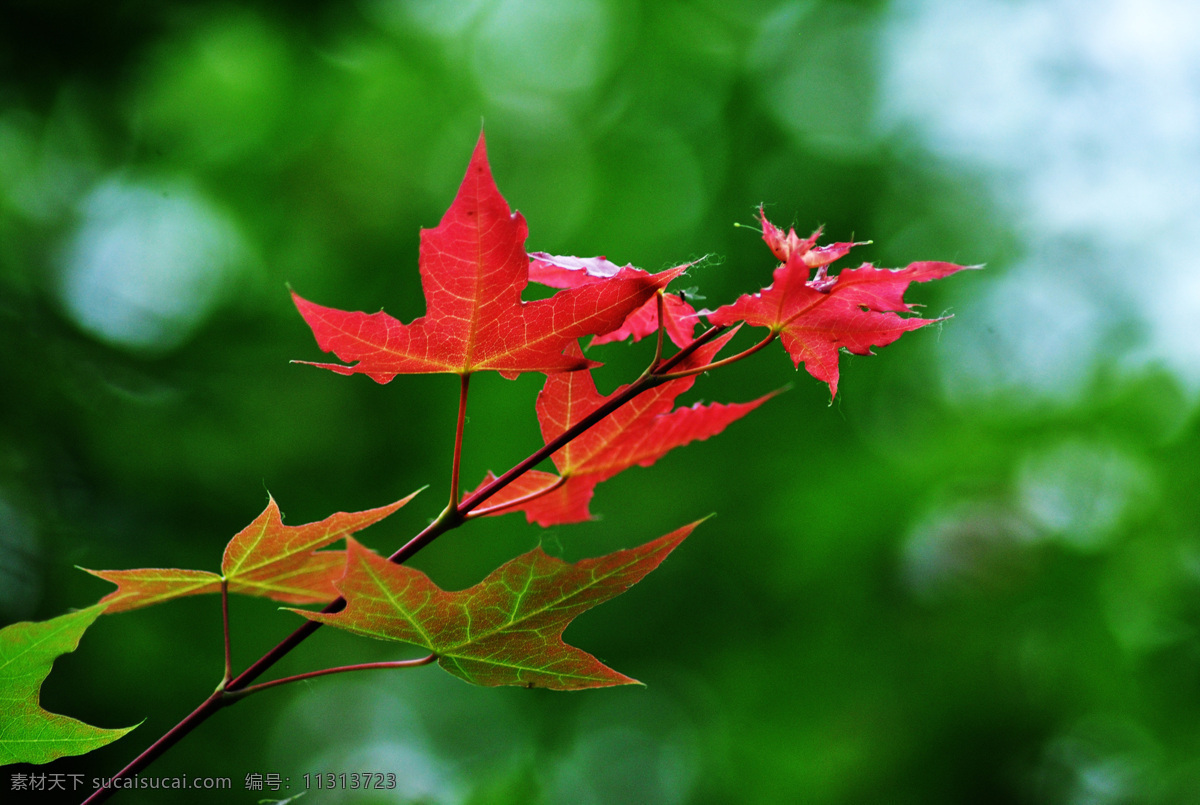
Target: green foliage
column 28, row 733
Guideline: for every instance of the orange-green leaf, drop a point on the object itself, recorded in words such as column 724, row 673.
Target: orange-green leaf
column 271, row 559
column 506, row 630
column 266, row 558
column 28, row 733
column 473, row 271
column 153, row 585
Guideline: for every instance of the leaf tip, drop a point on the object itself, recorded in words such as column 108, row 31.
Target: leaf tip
column 669, row 542
column 619, row 678
column 479, row 161
column 786, row 387
column 299, row 301
column 404, row 501
column 272, row 511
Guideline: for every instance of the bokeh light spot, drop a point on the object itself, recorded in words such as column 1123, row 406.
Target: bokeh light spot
column 148, row 264
column 1028, row 92
column 536, row 46
column 1081, row 492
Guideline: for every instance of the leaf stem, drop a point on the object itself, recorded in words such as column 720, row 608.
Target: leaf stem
column 699, row 341
column 366, row 666
column 521, row 501
column 658, row 298
column 225, row 628
column 458, row 438
column 723, row 362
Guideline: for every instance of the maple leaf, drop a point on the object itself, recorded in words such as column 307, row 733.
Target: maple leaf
column 856, row 310
column 473, row 270
column 640, row 432
column 266, row 558
column 784, row 246
column 28, row 733
column 507, row 629
column 679, row 318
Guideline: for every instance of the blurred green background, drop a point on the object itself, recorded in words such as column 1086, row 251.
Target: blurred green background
column 975, row 577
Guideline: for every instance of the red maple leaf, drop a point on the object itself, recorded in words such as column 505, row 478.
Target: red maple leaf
column 856, row 310
column 784, row 246
column 679, row 318
column 639, row 433
column 473, row 270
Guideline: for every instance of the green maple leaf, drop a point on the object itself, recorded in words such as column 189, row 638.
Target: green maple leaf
column 506, row 630
column 29, row 734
